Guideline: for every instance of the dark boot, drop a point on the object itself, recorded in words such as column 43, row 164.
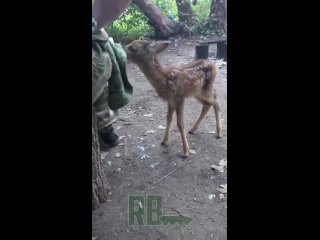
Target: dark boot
column 108, row 138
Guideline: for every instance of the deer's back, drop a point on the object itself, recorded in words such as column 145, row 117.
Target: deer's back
column 191, row 79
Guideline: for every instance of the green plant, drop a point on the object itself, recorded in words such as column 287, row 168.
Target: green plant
column 131, row 25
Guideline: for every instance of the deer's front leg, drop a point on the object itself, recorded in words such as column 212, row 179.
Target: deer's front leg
column 169, row 121
column 180, row 123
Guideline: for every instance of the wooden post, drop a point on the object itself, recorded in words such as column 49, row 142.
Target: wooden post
column 222, row 50
column 202, row 52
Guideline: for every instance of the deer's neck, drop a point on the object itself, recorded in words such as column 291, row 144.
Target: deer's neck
column 153, row 71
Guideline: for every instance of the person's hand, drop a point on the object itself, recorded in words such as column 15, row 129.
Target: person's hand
column 106, row 11
column 104, row 33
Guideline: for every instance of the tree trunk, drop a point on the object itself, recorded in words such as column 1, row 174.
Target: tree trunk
column 164, row 27
column 185, row 12
column 218, row 15
column 100, row 186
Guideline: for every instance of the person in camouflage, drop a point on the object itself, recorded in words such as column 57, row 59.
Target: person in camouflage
column 111, row 89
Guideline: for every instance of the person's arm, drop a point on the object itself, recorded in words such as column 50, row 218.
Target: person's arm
column 106, row 11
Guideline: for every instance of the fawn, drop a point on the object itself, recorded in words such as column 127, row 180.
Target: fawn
column 174, row 84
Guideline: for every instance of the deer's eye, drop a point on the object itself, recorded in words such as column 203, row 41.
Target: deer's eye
column 131, row 49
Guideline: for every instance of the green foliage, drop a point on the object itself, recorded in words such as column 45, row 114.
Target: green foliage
column 133, row 24
column 202, row 11
column 169, row 8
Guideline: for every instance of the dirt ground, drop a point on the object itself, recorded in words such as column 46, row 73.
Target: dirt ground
column 144, row 163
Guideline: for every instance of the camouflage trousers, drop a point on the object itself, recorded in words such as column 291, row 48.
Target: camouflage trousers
column 105, row 116
column 101, row 72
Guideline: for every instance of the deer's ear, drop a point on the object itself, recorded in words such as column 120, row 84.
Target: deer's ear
column 160, row 47
column 144, row 38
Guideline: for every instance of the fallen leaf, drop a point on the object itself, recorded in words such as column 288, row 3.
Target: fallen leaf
column 223, row 185
column 109, row 163
column 218, row 168
column 122, row 137
column 154, row 165
column 222, row 188
column 148, row 115
column 212, row 132
column 145, row 156
column 118, row 170
column 150, row 131
column 162, row 127
column 223, row 163
column 103, row 155
column 141, row 148
column 140, row 205
column 192, row 151
column 118, row 155
column 221, row 196
column 211, row 196
column 153, row 145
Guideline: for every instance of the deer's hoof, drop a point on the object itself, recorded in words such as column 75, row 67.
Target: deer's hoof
column 163, row 143
column 191, row 132
column 218, row 136
column 184, row 156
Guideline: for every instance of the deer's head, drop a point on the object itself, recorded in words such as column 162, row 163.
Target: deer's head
column 143, row 50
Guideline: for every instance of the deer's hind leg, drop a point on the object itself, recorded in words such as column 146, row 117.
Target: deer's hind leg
column 216, row 107
column 207, row 102
column 204, row 111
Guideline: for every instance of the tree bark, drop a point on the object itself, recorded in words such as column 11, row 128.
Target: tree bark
column 100, row 185
column 164, row 27
column 185, row 12
column 218, row 15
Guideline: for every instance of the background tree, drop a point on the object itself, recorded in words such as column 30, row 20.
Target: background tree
column 218, row 15
column 163, row 25
column 185, row 12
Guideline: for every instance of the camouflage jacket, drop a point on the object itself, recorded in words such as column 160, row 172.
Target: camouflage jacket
column 109, row 69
